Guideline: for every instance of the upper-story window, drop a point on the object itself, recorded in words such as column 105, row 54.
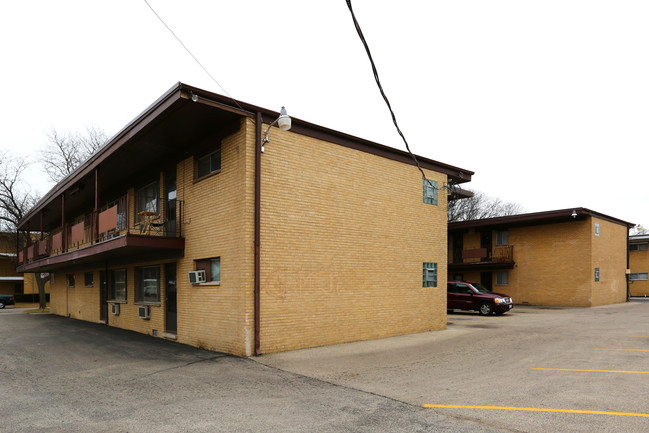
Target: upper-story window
column 502, row 237
column 639, row 247
column 430, row 192
column 209, row 163
column 146, row 198
column 597, row 229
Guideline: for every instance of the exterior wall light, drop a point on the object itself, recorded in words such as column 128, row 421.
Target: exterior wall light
column 284, row 123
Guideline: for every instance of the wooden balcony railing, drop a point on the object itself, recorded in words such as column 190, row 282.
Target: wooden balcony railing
column 500, row 253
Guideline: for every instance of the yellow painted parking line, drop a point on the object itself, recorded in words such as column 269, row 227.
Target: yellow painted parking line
column 628, row 350
column 536, row 409
column 594, row 371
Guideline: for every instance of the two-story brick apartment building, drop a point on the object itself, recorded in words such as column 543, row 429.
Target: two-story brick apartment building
column 182, row 227
column 639, row 265
column 571, row 257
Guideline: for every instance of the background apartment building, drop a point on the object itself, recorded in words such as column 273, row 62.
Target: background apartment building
column 571, row 257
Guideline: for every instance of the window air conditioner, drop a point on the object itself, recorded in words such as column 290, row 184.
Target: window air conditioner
column 114, row 308
column 144, row 312
column 196, row 277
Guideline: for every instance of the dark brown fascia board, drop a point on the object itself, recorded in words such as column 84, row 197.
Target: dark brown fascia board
column 547, row 217
column 184, row 91
column 458, row 175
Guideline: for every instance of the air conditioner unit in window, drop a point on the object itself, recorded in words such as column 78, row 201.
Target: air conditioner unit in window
column 196, row 277
column 144, row 312
column 114, row 308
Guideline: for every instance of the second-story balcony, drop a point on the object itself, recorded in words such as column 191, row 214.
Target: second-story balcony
column 501, row 257
column 112, row 234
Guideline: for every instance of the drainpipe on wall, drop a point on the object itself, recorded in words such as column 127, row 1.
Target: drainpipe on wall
column 257, row 288
column 628, row 264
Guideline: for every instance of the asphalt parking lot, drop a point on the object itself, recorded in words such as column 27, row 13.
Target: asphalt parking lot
column 531, row 370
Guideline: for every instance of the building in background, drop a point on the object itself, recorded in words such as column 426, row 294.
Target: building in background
column 571, row 257
column 199, row 222
column 639, row 265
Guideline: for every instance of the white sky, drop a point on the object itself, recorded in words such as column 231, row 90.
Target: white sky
column 547, row 101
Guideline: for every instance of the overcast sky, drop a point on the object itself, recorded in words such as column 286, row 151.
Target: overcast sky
column 547, row 101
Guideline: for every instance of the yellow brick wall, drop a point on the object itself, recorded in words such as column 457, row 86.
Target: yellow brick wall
column 344, row 238
column 639, row 262
column 78, row 302
column 555, row 264
column 609, row 255
column 219, row 222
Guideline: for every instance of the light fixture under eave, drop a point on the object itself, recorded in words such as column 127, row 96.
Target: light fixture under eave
column 574, row 214
column 283, row 122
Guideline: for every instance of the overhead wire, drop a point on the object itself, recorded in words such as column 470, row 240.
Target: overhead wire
column 385, row 97
column 192, row 55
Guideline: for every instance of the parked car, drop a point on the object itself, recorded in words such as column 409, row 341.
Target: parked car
column 463, row 295
column 6, row 300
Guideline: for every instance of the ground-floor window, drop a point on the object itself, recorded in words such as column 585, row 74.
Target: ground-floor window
column 502, row 278
column 212, row 268
column 117, row 285
column 147, row 284
column 638, row 276
column 430, row 274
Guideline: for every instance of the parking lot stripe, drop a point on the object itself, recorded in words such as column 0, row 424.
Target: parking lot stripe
column 628, row 350
column 536, row 409
column 640, row 336
column 594, row 371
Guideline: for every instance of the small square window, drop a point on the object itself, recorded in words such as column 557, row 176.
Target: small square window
column 502, row 237
column 209, row 163
column 212, row 268
column 430, row 192
column 596, row 274
column 430, row 275
column 502, row 278
column 88, row 279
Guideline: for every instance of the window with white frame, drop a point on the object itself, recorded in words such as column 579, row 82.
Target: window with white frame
column 430, row 275
column 596, row 274
column 638, row 276
column 639, row 247
column 597, row 229
column 502, row 278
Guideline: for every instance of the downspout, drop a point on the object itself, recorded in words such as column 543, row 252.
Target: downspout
column 257, row 288
column 628, row 263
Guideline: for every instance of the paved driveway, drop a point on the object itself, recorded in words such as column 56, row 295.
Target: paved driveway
column 63, row 375
column 536, row 369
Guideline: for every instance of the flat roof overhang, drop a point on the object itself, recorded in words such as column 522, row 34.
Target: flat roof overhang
column 113, row 252
column 536, row 218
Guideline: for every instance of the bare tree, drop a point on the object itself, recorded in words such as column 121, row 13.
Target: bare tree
column 480, row 206
column 65, row 151
column 16, row 199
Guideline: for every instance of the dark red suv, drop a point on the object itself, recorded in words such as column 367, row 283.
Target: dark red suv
column 463, row 295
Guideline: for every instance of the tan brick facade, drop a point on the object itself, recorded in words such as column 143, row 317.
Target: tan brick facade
column 639, row 264
column 555, row 264
column 344, row 235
